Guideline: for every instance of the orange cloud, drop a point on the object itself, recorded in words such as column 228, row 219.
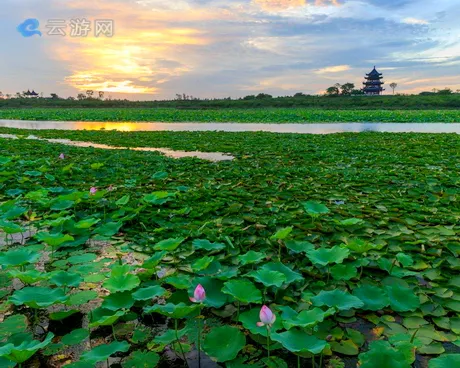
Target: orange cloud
column 286, row 4
column 132, row 61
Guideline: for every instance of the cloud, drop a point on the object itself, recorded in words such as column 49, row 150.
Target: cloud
column 333, row 69
column 411, row 20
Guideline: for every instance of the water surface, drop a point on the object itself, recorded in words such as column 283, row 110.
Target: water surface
column 210, row 156
column 320, row 128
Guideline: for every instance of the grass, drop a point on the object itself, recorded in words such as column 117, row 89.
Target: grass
column 269, row 115
column 351, row 240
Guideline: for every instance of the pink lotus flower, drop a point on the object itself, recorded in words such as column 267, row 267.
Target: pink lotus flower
column 267, row 317
column 93, row 191
column 199, row 295
column 110, row 188
column 61, row 156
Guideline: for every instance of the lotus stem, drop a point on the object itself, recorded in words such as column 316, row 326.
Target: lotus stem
column 298, row 361
column 313, row 361
column 199, row 339
column 328, row 274
column 321, row 360
column 113, row 333
column 238, row 312
column 180, row 345
column 268, row 341
column 392, row 265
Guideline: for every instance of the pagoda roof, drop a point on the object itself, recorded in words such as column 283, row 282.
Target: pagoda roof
column 374, row 73
column 33, row 93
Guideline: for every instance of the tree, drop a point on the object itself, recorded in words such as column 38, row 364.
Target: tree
column 81, row 96
column 300, row 94
column 333, row 91
column 393, row 86
column 101, row 95
column 262, row 96
column 347, row 88
column 90, row 93
column 445, row 91
column 1, row 94
column 54, row 96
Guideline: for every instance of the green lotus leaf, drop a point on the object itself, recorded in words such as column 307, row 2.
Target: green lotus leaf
column 6, row 363
column 315, row 209
column 202, row 263
column 59, row 316
column 108, row 229
column 170, row 335
column 160, row 175
column 60, row 204
column 381, row 354
column 268, row 278
column 116, row 301
column 251, row 257
column 349, row 222
column 16, row 323
column 207, row 245
column 298, row 341
column 22, row 347
column 82, row 297
column 339, row 299
column 83, row 258
column 224, row 343
column 168, row 244
column 345, row 347
column 18, row 257
column 282, row 234
column 53, row 240
column 149, row 292
column 299, row 246
column 11, row 228
column 121, row 280
column 445, row 361
column 326, row 256
column 123, row 201
column 87, row 223
column 360, row 246
column 104, row 317
column 242, row 290
column 28, row 277
column 38, row 297
column 14, row 212
column 291, row 276
column 306, row 318
column 179, row 281
column 214, row 296
column 154, row 260
column 373, row 297
column 405, row 259
column 103, row 352
column 141, row 359
column 344, row 272
column 62, row 278
column 176, row 311
column 250, row 318
column 402, row 299
column 158, row 198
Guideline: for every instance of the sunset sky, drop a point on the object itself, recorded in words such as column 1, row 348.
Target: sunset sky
column 221, row 48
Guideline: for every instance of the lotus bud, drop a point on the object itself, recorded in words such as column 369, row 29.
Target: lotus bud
column 267, row 318
column 199, row 294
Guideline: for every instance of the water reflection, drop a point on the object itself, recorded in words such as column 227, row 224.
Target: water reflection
column 210, row 156
column 320, row 128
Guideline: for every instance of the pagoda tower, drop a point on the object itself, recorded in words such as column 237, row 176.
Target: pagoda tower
column 373, row 83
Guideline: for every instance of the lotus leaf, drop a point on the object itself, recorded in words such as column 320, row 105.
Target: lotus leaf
column 242, row 290
column 338, row 299
column 298, row 341
column 38, row 297
column 224, row 343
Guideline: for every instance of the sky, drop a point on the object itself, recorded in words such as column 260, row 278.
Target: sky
column 229, row 48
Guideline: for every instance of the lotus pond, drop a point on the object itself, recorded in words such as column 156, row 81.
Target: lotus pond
column 350, row 241
column 253, row 115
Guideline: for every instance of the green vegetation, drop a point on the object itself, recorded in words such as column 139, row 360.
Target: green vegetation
column 339, row 99
column 280, row 115
column 351, row 240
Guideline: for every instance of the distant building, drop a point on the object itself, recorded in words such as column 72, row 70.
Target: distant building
column 373, row 83
column 29, row 94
